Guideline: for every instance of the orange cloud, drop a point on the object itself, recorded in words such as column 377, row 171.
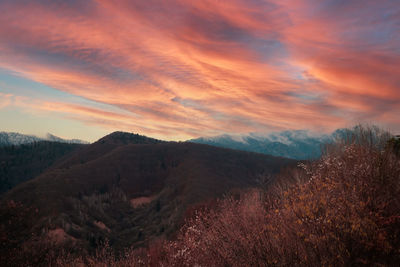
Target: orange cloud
column 208, row 67
column 5, row 100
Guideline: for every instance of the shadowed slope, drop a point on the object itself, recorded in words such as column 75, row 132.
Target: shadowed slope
column 24, row 162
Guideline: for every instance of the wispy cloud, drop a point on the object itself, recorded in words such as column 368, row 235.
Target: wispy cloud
column 5, row 100
column 190, row 68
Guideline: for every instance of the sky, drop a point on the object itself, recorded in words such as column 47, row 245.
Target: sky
column 181, row 69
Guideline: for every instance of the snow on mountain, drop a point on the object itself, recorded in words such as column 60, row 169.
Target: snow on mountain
column 298, row 144
column 7, row 139
column 10, row 138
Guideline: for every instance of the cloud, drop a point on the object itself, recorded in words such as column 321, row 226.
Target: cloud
column 5, row 100
column 211, row 67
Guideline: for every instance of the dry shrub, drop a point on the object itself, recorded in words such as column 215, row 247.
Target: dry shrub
column 346, row 213
column 104, row 256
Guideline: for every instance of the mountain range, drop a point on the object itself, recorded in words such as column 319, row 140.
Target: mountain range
column 298, row 144
column 11, row 138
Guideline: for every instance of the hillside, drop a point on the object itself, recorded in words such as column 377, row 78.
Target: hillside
column 127, row 188
column 104, row 146
column 23, row 162
column 23, row 157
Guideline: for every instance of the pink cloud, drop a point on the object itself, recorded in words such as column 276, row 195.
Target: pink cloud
column 209, row 67
column 5, row 100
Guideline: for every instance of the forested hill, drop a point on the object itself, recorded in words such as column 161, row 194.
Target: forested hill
column 20, row 163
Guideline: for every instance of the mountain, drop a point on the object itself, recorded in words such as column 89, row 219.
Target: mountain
column 22, row 162
column 127, row 188
column 290, row 144
column 9, row 138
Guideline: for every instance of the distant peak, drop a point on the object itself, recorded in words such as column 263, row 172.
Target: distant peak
column 11, row 138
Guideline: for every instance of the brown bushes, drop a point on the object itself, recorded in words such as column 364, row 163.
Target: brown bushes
column 347, row 213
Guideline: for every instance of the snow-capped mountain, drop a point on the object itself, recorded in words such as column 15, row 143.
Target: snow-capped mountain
column 298, row 144
column 9, row 138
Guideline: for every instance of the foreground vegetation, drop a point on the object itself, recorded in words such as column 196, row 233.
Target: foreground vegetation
column 341, row 210
column 346, row 212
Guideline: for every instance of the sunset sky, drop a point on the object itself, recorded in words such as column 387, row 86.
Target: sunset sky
column 181, row 69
